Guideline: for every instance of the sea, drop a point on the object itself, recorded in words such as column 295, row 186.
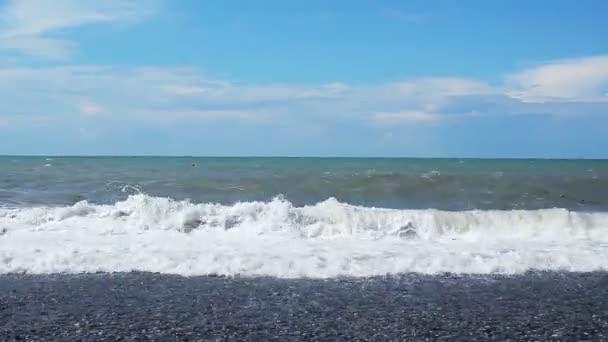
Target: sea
column 302, row 217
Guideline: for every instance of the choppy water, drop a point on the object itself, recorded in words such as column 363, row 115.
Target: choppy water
column 447, row 184
column 302, row 217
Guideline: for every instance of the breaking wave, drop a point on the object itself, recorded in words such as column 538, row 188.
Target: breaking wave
column 276, row 238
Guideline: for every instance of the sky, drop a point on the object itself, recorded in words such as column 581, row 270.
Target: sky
column 489, row 79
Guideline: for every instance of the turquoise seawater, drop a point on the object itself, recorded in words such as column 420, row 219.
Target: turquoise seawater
column 448, row 184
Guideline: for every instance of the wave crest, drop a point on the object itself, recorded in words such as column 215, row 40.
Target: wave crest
column 276, row 238
column 329, row 218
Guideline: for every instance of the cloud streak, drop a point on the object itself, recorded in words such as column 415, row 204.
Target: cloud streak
column 35, row 27
column 583, row 79
column 184, row 93
column 410, row 116
column 178, row 93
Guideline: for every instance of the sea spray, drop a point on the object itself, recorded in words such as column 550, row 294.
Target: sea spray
column 276, row 238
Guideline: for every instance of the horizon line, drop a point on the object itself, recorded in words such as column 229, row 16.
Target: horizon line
column 288, row 157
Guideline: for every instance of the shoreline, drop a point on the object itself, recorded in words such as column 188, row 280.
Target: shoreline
column 531, row 306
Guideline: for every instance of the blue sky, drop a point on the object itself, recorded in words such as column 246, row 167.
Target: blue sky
column 314, row 78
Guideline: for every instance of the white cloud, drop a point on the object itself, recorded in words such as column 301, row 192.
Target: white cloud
column 89, row 108
column 252, row 115
column 408, row 116
column 184, row 93
column 67, row 93
column 582, row 79
column 31, row 27
column 40, row 47
column 179, row 93
column 188, row 90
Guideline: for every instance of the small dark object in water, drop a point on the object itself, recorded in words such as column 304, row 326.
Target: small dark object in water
column 408, row 231
column 231, row 222
column 193, row 164
column 190, row 225
column 120, row 213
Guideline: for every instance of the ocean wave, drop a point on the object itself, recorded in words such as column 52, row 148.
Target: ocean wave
column 276, row 238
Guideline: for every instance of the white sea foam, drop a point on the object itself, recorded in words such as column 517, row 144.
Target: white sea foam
column 431, row 175
column 275, row 238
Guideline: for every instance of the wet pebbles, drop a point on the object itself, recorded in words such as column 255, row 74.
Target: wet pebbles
column 145, row 306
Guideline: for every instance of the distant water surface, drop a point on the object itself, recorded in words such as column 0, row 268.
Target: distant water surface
column 447, row 184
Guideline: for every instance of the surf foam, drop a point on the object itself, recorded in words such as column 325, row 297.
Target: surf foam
column 275, row 238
